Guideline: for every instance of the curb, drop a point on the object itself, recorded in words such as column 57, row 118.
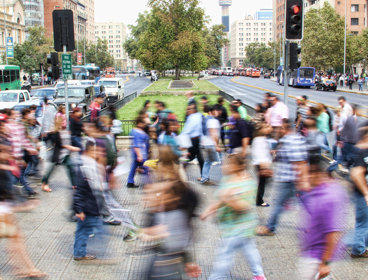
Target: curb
column 353, row 92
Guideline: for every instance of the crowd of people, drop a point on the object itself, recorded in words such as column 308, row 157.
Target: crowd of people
column 287, row 152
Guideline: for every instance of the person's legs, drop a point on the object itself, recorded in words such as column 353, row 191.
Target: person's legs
column 224, row 259
column 261, row 188
column 27, row 188
column 46, row 177
column 84, row 229
column 286, row 190
column 252, row 256
column 307, row 268
column 132, row 171
column 361, row 225
column 206, row 171
column 70, row 168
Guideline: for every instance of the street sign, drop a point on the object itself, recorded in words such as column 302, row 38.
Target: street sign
column 66, row 60
column 79, row 58
column 9, row 47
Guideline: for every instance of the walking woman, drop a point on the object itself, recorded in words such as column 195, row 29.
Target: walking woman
column 262, row 159
column 60, row 139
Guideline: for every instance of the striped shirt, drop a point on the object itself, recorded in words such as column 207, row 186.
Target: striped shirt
column 291, row 148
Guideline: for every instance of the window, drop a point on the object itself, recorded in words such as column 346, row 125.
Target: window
column 111, row 41
column 117, row 36
column 241, row 49
column 117, row 46
column 354, row 21
column 240, row 39
column 12, row 75
column 111, row 37
column 355, row 8
column 241, row 44
column 6, row 76
column 241, row 29
column 241, row 34
column 21, row 97
column 1, row 76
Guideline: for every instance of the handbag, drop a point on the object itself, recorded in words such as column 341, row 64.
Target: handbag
column 7, row 225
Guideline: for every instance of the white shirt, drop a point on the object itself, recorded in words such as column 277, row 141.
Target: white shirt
column 279, row 111
column 211, row 123
column 261, row 151
column 346, row 112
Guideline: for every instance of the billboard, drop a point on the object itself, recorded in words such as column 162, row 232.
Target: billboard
column 225, row 2
column 225, row 22
column 9, row 47
column 264, row 15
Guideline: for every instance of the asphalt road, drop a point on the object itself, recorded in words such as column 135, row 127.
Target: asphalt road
column 251, row 91
column 136, row 84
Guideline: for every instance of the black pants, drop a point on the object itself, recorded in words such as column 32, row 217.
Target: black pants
column 261, row 187
column 195, row 151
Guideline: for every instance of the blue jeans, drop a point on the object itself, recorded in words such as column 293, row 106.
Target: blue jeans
column 77, row 142
column 209, row 159
column 22, row 179
column 31, row 165
column 361, row 225
column 347, row 154
column 224, row 259
column 286, row 190
column 91, row 224
column 133, row 168
column 322, row 142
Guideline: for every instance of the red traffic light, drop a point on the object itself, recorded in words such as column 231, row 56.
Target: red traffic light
column 295, row 9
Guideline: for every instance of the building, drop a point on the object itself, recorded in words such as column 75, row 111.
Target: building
column 225, row 20
column 81, row 24
column 90, row 11
column 278, row 19
column 51, row 5
column 13, row 13
column 356, row 12
column 33, row 11
column 115, row 35
column 264, row 14
column 244, row 32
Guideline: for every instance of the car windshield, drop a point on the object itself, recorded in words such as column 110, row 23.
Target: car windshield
column 306, row 73
column 43, row 93
column 109, row 84
column 8, row 97
column 72, row 92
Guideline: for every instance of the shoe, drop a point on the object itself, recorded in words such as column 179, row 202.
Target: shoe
column 264, row 231
column 264, row 204
column 112, row 222
column 32, row 195
column 364, row 255
column 131, row 236
column 85, row 258
column 131, row 185
column 259, row 278
column 333, row 162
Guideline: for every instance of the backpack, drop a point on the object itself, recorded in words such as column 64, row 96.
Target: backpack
column 204, row 124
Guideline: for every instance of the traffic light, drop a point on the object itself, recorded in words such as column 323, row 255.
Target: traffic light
column 53, row 59
column 294, row 20
column 55, row 72
column 294, row 53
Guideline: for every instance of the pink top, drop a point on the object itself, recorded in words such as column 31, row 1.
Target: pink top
column 63, row 117
column 279, row 111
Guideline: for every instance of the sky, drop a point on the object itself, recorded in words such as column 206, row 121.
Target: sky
column 127, row 11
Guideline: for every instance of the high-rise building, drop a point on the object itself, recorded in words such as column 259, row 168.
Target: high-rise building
column 81, row 24
column 264, row 14
column 115, row 35
column 278, row 19
column 15, row 25
column 90, row 10
column 225, row 5
column 244, row 32
column 51, row 5
column 33, row 11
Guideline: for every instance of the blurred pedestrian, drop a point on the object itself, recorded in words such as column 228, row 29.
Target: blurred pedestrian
column 279, row 112
column 96, row 107
column 323, row 216
column 61, row 113
column 237, row 219
column 76, row 128
column 323, row 126
column 241, row 109
column 190, row 96
column 301, row 114
column 222, row 117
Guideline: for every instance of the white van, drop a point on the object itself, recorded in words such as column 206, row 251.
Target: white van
column 114, row 88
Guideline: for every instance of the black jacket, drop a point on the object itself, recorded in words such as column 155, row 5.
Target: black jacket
column 83, row 198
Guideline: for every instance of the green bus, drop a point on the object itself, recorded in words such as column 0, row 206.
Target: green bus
column 10, row 77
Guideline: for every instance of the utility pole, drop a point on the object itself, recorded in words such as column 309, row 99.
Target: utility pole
column 5, row 35
column 346, row 4
column 286, row 68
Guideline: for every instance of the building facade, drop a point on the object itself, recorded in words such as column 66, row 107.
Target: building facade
column 279, row 18
column 15, row 23
column 244, row 32
column 115, row 35
column 81, row 21
column 90, row 12
column 34, row 15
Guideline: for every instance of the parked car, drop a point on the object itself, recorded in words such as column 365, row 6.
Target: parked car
column 114, row 88
column 41, row 93
column 267, row 75
column 10, row 98
column 326, row 84
column 78, row 96
column 255, row 73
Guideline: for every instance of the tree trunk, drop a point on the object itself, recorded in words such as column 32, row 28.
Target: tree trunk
column 177, row 73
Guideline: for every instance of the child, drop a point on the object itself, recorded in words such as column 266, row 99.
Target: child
column 238, row 220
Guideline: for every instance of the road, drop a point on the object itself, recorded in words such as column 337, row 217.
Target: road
column 251, row 91
column 136, row 84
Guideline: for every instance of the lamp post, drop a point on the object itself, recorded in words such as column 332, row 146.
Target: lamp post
column 6, row 55
column 346, row 5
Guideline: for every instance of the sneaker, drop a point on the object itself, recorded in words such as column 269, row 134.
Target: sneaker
column 364, row 255
column 344, row 169
column 131, row 236
column 112, row 222
column 32, row 195
column 132, row 186
column 333, row 162
column 85, row 258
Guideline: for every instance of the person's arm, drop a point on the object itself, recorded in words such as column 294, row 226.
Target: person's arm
column 358, row 177
column 188, row 126
column 332, row 240
column 214, row 135
column 245, row 143
column 233, row 199
column 211, row 210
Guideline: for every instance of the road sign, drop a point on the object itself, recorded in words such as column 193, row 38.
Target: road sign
column 9, row 47
column 66, row 60
column 79, row 58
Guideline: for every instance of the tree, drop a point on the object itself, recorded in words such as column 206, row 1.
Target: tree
column 33, row 51
column 99, row 55
column 323, row 43
column 215, row 40
column 259, row 55
column 173, row 35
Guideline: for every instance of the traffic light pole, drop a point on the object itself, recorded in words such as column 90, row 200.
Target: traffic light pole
column 66, row 95
column 286, row 68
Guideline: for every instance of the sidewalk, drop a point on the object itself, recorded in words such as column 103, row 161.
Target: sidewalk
column 354, row 90
column 49, row 238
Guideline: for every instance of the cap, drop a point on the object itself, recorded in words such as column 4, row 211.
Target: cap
column 3, row 117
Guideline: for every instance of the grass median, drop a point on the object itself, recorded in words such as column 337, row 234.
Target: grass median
column 162, row 85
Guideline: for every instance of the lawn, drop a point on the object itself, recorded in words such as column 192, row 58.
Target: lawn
column 177, row 104
column 163, row 85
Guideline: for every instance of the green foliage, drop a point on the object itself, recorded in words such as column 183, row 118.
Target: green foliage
column 173, row 35
column 33, row 51
column 99, row 55
column 163, row 85
column 323, row 43
column 260, row 55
